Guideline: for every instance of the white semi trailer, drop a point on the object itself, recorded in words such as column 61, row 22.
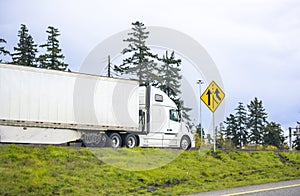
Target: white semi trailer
column 52, row 107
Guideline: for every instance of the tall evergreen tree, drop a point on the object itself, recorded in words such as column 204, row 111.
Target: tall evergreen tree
column 296, row 142
column 2, row 49
column 241, row 118
column 169, row 74
column 140, row 62
column 199, row 132
column 257, row 121
column 231, row 130
column 53, row 58
column 273, row 135
column 170, row 82
column 26, row 50
column 220, row 142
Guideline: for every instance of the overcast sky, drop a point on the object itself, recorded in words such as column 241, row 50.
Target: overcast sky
column 254, row 43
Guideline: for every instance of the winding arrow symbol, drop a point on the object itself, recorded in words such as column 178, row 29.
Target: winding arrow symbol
column 208, row 97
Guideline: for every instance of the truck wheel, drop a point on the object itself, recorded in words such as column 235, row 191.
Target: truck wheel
column 116, row 140
column 185, row 143
column 130, row 141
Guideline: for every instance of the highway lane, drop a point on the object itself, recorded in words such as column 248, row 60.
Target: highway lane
column 286, row 188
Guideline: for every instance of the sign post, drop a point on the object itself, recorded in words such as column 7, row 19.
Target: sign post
column 212, row 97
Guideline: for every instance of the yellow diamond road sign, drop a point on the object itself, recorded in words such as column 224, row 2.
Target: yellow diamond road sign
column 212, row 96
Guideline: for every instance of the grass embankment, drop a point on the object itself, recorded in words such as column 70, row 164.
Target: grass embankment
column 52, row 170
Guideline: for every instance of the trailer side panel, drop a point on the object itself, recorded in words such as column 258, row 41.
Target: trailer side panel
column 45, row 98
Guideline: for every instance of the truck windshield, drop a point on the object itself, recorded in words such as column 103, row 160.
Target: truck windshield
column 174, row 115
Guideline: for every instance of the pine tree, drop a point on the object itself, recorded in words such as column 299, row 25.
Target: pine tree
column 273, row 135
column 296, row 142
column 220, row 142
column 170, row 82
column 53, row 58
column 26, row 50
column 169, row 74
column 2, row 49
column 241, row 118
column 140, row 62
column 257, row 121
column 231, row 130
column 198, row 131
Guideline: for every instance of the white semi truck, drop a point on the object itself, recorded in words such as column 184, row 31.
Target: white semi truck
column 53, row 107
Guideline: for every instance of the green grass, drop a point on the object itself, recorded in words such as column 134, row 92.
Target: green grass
column 54, row 170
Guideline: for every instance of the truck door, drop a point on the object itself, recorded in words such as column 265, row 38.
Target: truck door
column 170, row 134
column 157, row 125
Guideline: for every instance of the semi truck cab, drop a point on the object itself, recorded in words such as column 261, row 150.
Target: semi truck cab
column 160, row 121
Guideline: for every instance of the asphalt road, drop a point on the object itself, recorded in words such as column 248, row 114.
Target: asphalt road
column 285, row 188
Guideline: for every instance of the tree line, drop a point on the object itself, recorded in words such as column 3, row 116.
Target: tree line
column 28, row 53
column 248, row 126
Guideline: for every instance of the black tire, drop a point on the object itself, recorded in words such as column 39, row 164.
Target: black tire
column 115, row 140
column 185, row 143
column 131, row 141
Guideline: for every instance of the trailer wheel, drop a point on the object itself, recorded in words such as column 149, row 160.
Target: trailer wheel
column 185, row 143
column 130, row 141
column 116, row 140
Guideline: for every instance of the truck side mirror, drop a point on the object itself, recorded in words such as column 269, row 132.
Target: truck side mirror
column 179, row 115
column 141, row 113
